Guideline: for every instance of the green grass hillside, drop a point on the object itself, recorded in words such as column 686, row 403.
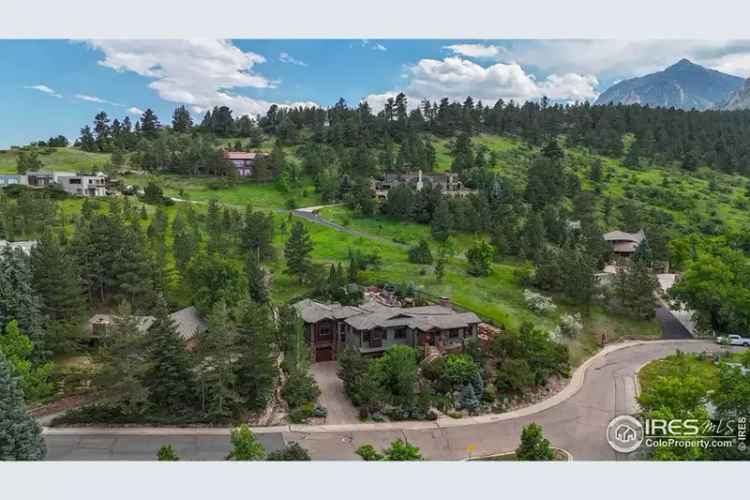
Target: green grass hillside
column 687, row 199
column 64, row 159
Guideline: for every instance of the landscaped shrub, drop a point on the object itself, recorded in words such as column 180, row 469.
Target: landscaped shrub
column 457, row 371
column 292, row 452
column 490, row 394
column 513, row 376
column 538, row 303
column 300, row 388
column 302, row 414
column 571, row 325
column 526, row 358
column 469, row 400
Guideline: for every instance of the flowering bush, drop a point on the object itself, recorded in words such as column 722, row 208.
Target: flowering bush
column 570, row 326
column 538, row 303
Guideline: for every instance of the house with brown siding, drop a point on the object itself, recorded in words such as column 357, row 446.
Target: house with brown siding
column 371, row 328
column 624, row 244
column 243, row 162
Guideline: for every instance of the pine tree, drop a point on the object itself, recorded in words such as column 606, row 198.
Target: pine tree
column 643, row 253
column 167, row 454
column 149, row 124
column 216, row 356
column 56, row 279
column 553, row 151
column 87, row 141
column 171, row 383
column 635, row 287
column 255, row 367
column 469, row 400
column 132, row 268
column 120, row 381
column 186, row 241
column 256, row 280
column 297, row 251
column 532, row 237
column 440, row 270
column 181, row 120
column 578, row 268
column 442, row 221
column 257, row 233
column 20, row 435
column 19, row 301
column 292, row 340
column 534, row 446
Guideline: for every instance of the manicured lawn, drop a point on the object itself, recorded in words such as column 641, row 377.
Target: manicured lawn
column 63, row 159
column 680, row 365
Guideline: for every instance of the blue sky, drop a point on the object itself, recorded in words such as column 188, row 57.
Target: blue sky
column 52, row 87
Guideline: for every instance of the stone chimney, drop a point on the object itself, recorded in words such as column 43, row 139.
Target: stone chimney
column 446, row 302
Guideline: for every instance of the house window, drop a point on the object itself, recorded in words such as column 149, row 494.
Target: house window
column 366, row 336
column 400, row 333
column 324, row 333
column 75, row 181
column 453, row 333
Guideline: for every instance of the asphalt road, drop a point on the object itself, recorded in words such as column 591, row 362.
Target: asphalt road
column 137, row 445
column 577, row 424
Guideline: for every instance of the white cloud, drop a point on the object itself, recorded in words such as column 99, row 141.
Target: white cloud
column 456, row 78
column 374, row 45
column 198, row 73
column 135, row 111
column 478, row 51
column 734, row 64
column 286, row 58
column 98, row 100
column 377, row 101
column 45, row 89
column 620, row 59
column 570, row 87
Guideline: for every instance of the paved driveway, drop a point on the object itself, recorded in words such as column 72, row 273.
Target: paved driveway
column 671, row 327
column 340, row 409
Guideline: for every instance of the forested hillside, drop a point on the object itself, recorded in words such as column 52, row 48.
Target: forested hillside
column 522, row 250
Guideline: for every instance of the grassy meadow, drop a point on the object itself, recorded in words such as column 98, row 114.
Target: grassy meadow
column 63, row 159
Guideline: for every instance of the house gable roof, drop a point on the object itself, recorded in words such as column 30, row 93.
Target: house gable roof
column 188, row 322
column 623, row 236
column 375, row 315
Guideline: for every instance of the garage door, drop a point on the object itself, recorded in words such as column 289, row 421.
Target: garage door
column 324, row 354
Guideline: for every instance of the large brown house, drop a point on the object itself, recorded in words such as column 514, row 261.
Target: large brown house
column 372, row 327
